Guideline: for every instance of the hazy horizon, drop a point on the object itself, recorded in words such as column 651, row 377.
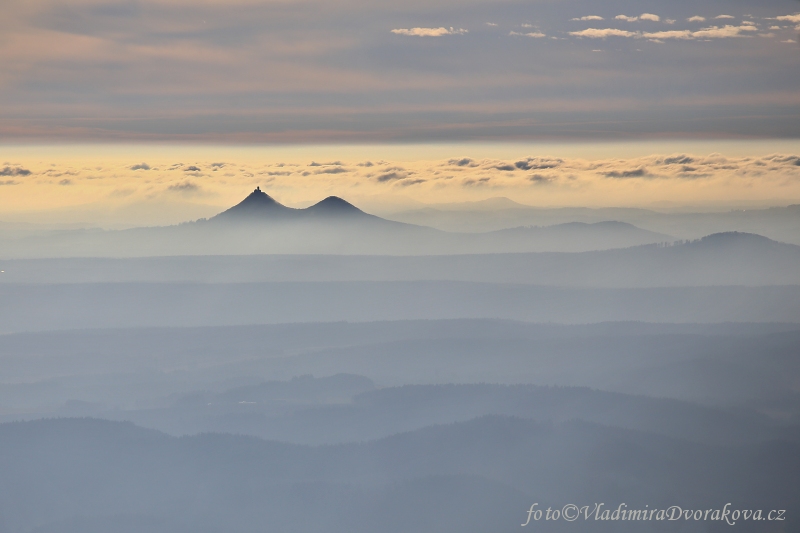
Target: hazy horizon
column 559, row 289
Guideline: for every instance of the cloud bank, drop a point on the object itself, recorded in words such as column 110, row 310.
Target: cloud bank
column 534, row 179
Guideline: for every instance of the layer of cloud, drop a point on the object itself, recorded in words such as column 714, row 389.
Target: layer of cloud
column 686, row 176
column 429, row 32
column 712, row 32
column 595, row 33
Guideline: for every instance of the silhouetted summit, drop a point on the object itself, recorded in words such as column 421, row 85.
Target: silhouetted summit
column 258, row 204
column 333, row 205
column 261, row 206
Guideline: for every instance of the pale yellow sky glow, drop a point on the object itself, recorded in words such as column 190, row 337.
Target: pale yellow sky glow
column 114, row 185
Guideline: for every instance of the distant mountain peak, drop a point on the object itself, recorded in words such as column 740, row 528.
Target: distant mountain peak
column 260, row 197
column 333, row 205
column 257, row 204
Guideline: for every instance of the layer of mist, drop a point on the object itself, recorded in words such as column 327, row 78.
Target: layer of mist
column 326, row 370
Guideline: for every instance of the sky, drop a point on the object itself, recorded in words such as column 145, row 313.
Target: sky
column 158, row 111
column 363, row 71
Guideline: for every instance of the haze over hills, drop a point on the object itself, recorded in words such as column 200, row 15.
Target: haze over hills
column 259, row 224
column 465, row 477
column 625, row 366
column 721, row 259
column 779, row 223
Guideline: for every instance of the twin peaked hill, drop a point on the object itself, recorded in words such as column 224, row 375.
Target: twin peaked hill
column 260, row 206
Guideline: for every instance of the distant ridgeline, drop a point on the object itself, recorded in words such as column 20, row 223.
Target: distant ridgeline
column 261, row 225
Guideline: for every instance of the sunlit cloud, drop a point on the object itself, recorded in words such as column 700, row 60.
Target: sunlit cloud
column 594, row 33
column 713, row 32
column 429, row 32
column 684, row 176
column 696, row 18
column 534, row 34
column 589, row 17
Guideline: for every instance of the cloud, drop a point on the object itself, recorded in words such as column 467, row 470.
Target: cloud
column 539, row 179
column 537, row 163
column 9, row 182
column 593, row 33
column 789, row 41
column 696, row 18
column 492, row 24
column 16, row 171
column 408, row 182
column 790, row 18
column 186, row 187
column 626, row 18
column 429, row 32
column 507, row 168
column 780, row 158
column 634, row 173
column 535, row 34
column 463, row 162
column 650, row 17
column 673, row 34
column 391, row 176
column 65, row 182
column 715, row 32
column 724, row 17
column 589, row 17
column 680, row 159
column 141, row 166
column 192, row 168
column 365, row 164
column 332, row 170
column 121, row 193
column 476, row 182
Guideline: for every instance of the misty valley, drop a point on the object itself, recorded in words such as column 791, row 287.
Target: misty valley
column 273, row 369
